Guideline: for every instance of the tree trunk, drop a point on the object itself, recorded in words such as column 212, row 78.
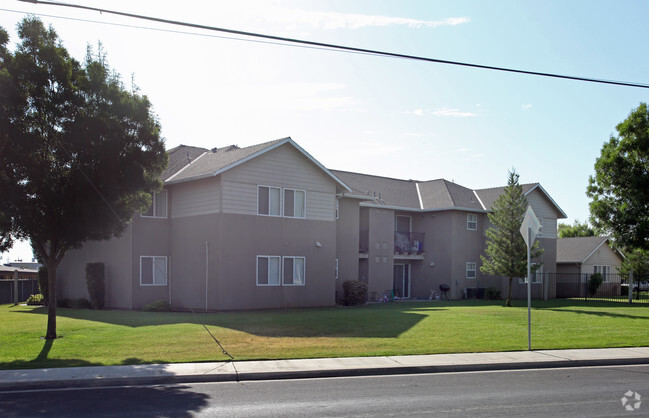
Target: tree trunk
column 509, row 293
column 52, row 264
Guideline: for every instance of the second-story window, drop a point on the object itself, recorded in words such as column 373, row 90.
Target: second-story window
column 471, row 222
column 158, row 208
column 294, row 203
column 268, row 201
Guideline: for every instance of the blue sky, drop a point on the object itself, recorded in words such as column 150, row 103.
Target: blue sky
column 385, row 116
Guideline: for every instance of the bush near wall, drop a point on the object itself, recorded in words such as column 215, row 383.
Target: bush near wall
column 96, row 284
column 355, row 292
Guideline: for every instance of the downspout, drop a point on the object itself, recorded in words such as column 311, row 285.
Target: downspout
column 207, row 269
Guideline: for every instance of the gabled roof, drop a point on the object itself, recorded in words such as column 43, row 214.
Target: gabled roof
column 387, row 191
column 489, row 196
column 578, row 249
column 179, row 157
column 443, row 194
column 216, row 161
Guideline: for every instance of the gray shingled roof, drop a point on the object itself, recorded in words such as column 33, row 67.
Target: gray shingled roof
column 489, row 196
column 439, row 194
column 388, row 191
column 219, row 159
column 575, row 250
column 179, row 157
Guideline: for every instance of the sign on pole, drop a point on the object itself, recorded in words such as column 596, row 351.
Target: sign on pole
column 529, row 228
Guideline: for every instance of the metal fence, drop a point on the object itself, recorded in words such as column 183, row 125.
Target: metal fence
column 26, row 287
column 614, row 287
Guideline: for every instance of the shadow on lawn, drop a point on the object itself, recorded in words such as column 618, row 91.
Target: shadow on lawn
column 600, row 313
column 371, row 321
column 42, row 361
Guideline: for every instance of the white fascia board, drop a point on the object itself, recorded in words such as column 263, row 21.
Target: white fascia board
column 538, row 186
column 479, row 200
column 183, row 169
column 421, row 202
column 596, row 248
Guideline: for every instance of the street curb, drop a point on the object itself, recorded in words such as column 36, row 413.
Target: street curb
column 97, row 382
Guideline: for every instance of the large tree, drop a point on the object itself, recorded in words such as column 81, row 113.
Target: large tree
column 577, row 229
column 79, row 153
column 506, row 253
column 620, row 187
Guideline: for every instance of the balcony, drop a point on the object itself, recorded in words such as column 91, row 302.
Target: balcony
column 409, row 245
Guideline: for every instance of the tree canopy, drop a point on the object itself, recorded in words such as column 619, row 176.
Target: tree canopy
column 577, row 229
column 506, row 253
column 79, row 153
column 620, row 187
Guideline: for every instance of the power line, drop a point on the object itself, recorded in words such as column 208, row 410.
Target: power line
column 338, row 47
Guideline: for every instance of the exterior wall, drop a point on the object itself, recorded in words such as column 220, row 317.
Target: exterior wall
column 568, row 268
column 603, row 256
column 281, row 167
column 117, row 259
column 544, row 209
column 150, row 237
column 347, row 243
column 380, row 260
column 194, row 198
column 243, row 238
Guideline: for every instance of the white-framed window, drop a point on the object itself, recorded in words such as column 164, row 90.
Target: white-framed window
column 605, row 271
column 537, row 276
column 294, row 203
column 153, row 270
column 268, row 270
column 268, row 200
column 337, row 208
column 158, row 208
column 294, row 271
column 471, row 222
column 470, row 270
column 336, row 269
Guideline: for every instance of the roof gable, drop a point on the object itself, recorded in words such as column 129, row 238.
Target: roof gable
column 217, row 161
column 489, row 196
column 578, row 249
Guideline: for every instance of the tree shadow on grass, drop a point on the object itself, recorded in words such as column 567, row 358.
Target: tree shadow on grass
column 370, row 321
column 42, row 361
column 600, row 313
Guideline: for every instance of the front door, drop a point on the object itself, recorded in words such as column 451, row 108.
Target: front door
column 401, row 281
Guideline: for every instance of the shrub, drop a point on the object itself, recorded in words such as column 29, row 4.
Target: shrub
column 42, row 283
column 355, row 292
column 492, row 293
column 81, row 303
column 36, row 299
column 157, row 306
column 63, row 303
column 594, row 283
column 95, row 282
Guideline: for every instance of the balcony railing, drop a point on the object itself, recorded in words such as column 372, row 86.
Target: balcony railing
column 409, row 242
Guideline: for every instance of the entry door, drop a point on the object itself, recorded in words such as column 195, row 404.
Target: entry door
column 401, row 280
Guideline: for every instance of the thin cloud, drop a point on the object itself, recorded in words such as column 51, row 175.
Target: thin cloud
column 443, row 112
column 335, row 20
column 526, row 106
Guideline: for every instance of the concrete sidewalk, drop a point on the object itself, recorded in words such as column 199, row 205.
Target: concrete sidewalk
column 311, row 368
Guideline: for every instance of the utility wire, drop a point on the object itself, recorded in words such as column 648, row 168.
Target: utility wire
column 338, row 47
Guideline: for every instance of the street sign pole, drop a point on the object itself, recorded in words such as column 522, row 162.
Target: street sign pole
column 529, row 228
column 529, row 290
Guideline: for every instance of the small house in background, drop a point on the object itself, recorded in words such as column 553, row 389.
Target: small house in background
column 588, row 255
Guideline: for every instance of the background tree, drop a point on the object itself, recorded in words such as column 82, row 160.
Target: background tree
column 620, row 187
column 506, row 253
column 637, row 261
column 79, row 154
column 577, row 229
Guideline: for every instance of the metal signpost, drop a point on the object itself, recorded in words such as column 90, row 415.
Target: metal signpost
column 529, row 228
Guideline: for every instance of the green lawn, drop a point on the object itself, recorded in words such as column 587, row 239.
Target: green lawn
column 123, row 337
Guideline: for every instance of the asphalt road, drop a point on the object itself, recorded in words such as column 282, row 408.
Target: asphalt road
column 592, row 391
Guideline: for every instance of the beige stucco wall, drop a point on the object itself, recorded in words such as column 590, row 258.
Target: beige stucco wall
column 116, row 256
column 347, row 243
column 381, row 250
